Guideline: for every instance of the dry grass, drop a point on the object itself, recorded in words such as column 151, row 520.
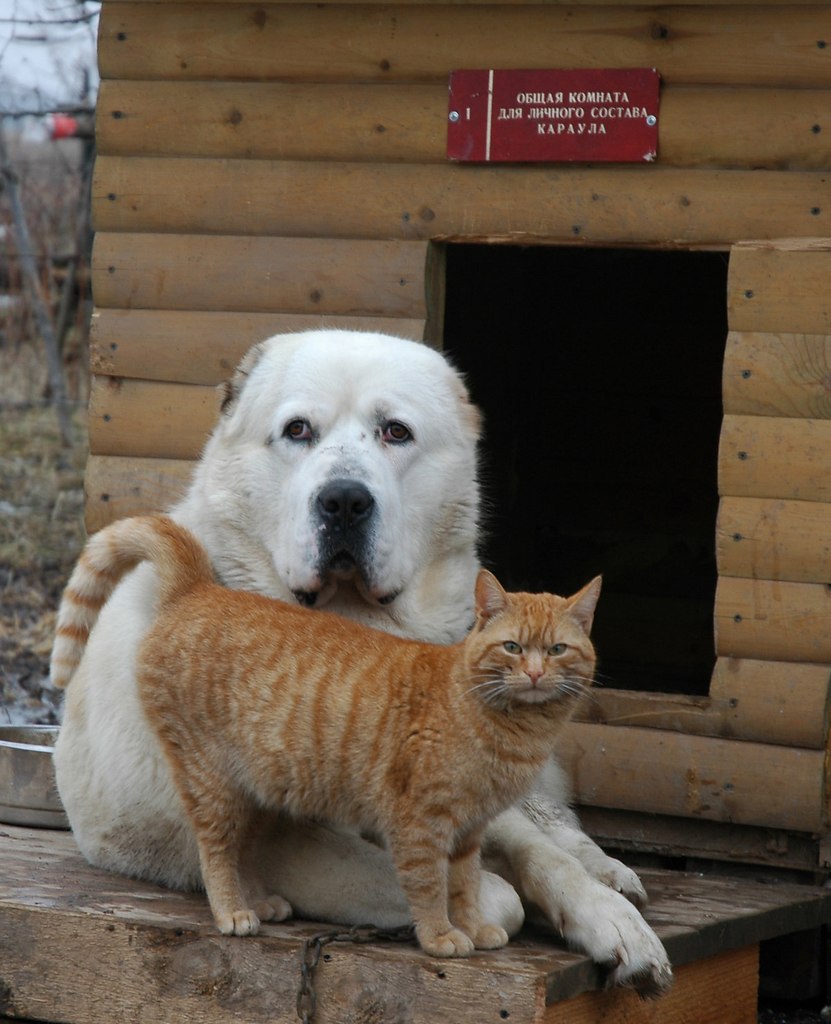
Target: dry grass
column 41, row 532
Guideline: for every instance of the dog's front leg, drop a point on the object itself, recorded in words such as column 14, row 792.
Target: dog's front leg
column 588, row 914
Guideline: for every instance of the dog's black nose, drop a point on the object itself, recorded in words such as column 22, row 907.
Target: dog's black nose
column 345, row 503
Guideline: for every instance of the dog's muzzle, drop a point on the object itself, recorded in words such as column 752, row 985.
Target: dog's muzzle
column 344, row 510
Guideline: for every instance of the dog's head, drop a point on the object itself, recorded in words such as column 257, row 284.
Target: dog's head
column 344, row 463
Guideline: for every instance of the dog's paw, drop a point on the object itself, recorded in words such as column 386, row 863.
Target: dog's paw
column 622, row 879
column 612, row 931
column 240, row 922
column 445, row 944
column 273, row 908
column 490, row 936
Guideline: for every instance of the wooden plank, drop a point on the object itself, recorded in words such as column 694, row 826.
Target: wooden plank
column 777, row 374
column 749, row 45
column 407, row 122
column 100, row 946
column 772, row 457
column 722, row 989
column 630, row 832
column 150, row 419
column 695, row 776
column 774, row 701
column 774, row 539
column 203, row 348
column 259, row 275
column 782, row 285
column 415, row 201
column 117, row 487
column 764, row 702
column 569, row 3
column 773, row 621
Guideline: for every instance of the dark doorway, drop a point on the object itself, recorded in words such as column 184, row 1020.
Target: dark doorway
column 599, row 373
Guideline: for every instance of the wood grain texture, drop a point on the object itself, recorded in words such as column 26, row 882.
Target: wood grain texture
column 287, row 42
column 774, row 539
column 391, row 122
column 259, row 275
column 117, row 486
column 764, row 702
column 777, row 374
column 81, row 945
column 204, row 348
column 695, row 776
column 772, row 457
column 773, row 621
column 305, row 199
column 781, row 285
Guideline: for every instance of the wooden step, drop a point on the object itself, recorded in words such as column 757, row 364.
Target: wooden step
column 80, row 945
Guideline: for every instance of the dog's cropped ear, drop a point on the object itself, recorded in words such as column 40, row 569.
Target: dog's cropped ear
column 231, row 388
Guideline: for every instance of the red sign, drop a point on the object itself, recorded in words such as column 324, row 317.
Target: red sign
column 550, row 116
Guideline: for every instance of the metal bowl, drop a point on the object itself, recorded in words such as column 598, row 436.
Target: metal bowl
column 28, row 795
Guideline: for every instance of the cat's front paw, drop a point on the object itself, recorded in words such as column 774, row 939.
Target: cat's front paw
column 449, row 943
column 240, row 922
column 273, row 908
column 490, row 936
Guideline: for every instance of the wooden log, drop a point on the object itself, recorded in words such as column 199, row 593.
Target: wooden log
column 204, row 348
column 771, row 457
column 413, row 201
column 633, row 832
column 117, row 487
column 774, row 539
column 150, row 419
column 348, row 122
column 773, row 701
column 759, row 701
column 773, row 621
column 749, row 45
column 777, row 374
column 695, row 776
column 259, row 275
column 782, row 285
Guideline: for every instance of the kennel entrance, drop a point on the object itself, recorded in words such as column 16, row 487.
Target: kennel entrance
column 599, row 372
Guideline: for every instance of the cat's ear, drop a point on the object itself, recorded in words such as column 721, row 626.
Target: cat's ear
column 491, row 599
column 583, row 603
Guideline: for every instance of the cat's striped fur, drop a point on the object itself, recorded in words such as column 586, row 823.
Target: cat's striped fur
column 259, row 703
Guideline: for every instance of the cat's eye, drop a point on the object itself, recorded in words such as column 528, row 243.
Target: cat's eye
column 395, row 432
column 558, row 649
column 512, row 647
column 298, row 430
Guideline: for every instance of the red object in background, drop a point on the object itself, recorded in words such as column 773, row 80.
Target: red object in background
column 62, row 126
column 584, row 114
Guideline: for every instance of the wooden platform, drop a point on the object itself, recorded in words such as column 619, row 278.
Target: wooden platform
column 82, row 946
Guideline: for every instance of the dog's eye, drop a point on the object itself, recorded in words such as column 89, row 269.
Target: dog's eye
column 512, row 647
column 297, row 430
column 396, row 433
column 557, row 649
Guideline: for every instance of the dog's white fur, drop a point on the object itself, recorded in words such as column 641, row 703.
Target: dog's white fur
column 304, row 410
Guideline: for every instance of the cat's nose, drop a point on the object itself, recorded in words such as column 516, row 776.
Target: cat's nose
column 345, row 503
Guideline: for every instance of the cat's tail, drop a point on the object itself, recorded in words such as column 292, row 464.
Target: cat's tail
column 179, row 559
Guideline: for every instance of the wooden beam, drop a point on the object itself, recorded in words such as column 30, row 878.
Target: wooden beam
column 774, row 539
column 259, row 274
column 317, row 200
column 782, row 285
column 772, row 457
column 117, row 487
column 204, row 348
column 777, row 374
column 753, row 45
column 407, row 122
column 695, row 776
column 773, row 621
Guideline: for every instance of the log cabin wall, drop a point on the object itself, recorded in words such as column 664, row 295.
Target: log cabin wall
column 267, row 167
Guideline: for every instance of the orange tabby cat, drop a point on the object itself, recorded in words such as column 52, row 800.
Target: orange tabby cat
column 258, row 703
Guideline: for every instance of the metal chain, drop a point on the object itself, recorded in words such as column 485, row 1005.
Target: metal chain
column 313, row 949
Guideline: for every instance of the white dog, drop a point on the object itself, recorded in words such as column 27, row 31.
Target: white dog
column 342, row 473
